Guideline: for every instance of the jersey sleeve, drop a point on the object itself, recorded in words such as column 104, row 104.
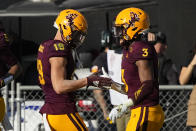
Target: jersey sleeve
column 57, row 49
column 7, row 57
column 142, row 51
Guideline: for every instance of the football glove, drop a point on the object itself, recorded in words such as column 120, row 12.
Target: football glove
column 98, row 81
column 118, row 111
column 115, row 86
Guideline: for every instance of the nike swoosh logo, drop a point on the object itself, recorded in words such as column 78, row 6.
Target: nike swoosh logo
column 96, row 83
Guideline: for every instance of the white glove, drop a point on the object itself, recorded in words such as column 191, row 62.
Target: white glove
column 115, row 113
column 118, row 111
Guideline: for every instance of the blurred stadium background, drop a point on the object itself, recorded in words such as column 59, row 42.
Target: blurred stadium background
column 28, row 22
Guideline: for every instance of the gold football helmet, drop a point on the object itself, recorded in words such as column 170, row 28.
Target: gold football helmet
column 131, row 22
column 72, row 25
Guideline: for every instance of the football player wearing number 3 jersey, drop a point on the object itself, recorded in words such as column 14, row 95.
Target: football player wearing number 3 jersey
column 139, row 72
column 55, row 66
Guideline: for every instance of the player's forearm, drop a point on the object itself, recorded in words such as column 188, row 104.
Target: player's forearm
column 15, row 70
column 145, row 90
column 64, row 86
column 185, row 74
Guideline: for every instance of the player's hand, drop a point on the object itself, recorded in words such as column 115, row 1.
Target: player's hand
column 2, row 83
column 118, row 111
column 114, row 114
column 98, row 81
column 115, row 86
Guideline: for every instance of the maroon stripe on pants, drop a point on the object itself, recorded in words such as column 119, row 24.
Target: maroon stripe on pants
column 140, row 119
column 74, row 122
column 80, row 122
column 145, row 125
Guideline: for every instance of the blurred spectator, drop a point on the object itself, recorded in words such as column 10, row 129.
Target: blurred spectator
column 9, row 68
column 25, row 51
column 100, row 61
column 188, row 76
column 107, row 43
column 168, row 74
column 188, row 71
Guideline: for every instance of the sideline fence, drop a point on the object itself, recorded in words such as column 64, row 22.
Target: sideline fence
column 24, row 107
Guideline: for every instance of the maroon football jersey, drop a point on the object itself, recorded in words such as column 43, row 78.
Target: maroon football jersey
column 139, row 51
column 55, row 103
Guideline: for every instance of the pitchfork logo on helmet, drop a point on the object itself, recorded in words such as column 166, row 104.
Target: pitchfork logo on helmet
column 73, row 27
column 134, row 18
column 131, row 22
column 71, row 17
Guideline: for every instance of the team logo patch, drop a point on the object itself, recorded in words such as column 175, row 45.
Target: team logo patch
column 134, row 18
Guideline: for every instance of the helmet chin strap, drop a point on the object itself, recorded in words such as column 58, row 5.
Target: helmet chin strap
column 136, row 37
column 69, row 43
column 80, row 65
column 62, row 37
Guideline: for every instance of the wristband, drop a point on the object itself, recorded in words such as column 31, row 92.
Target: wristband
column 129, row 102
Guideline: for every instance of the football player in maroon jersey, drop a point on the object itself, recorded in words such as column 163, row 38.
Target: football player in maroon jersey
column 139, row 72
column 55, row 66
